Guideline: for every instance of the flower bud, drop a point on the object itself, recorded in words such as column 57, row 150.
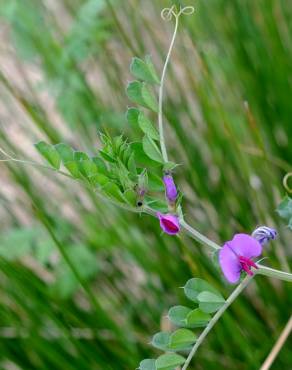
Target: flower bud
column 264, row 234
column 170, row 188
column 169, row 223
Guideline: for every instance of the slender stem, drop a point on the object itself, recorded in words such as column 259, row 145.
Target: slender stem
column 31, row 163
column 278, row 346
column 216, row 317
column 198, row 236
column 193, row 233
column 267, row 271
column 160, row 101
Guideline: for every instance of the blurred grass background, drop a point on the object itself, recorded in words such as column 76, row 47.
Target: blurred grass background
column 63, row 72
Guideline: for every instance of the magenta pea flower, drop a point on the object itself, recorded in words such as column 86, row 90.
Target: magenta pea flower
column 170, row 188
column 169, row 223
column 237, row 255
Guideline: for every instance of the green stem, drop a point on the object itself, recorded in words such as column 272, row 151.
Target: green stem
column 267, row 271
column 216, row 317
column 193, row 233
column 35, row 164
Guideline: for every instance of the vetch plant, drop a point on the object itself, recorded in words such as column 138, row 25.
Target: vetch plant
column 139, row 177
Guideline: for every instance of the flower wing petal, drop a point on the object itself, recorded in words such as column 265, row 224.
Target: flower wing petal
column 229, row 264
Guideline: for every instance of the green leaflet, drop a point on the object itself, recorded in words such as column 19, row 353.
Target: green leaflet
column 195, row 286
column 65, row 151
column 151, row 149
column 161, row 340
column 144, row 70
column 148, row 364
column 169, row 361
column 139, row 93
column 178, row 314
column 182, row 339
column 210, row 302
column 50, row 153
column 197, row 318
column 137, row 118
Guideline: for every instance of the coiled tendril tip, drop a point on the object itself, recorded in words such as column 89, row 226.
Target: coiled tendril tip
column 285, row 182
column 168, row 13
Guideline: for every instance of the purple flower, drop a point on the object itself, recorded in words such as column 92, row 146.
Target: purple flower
column 236, row 255
column 169, row 223
column 170, row 188
column 264, row 234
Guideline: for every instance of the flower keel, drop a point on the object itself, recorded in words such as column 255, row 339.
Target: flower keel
column 246, row 264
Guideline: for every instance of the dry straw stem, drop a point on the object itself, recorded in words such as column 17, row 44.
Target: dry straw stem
column 278, row 346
